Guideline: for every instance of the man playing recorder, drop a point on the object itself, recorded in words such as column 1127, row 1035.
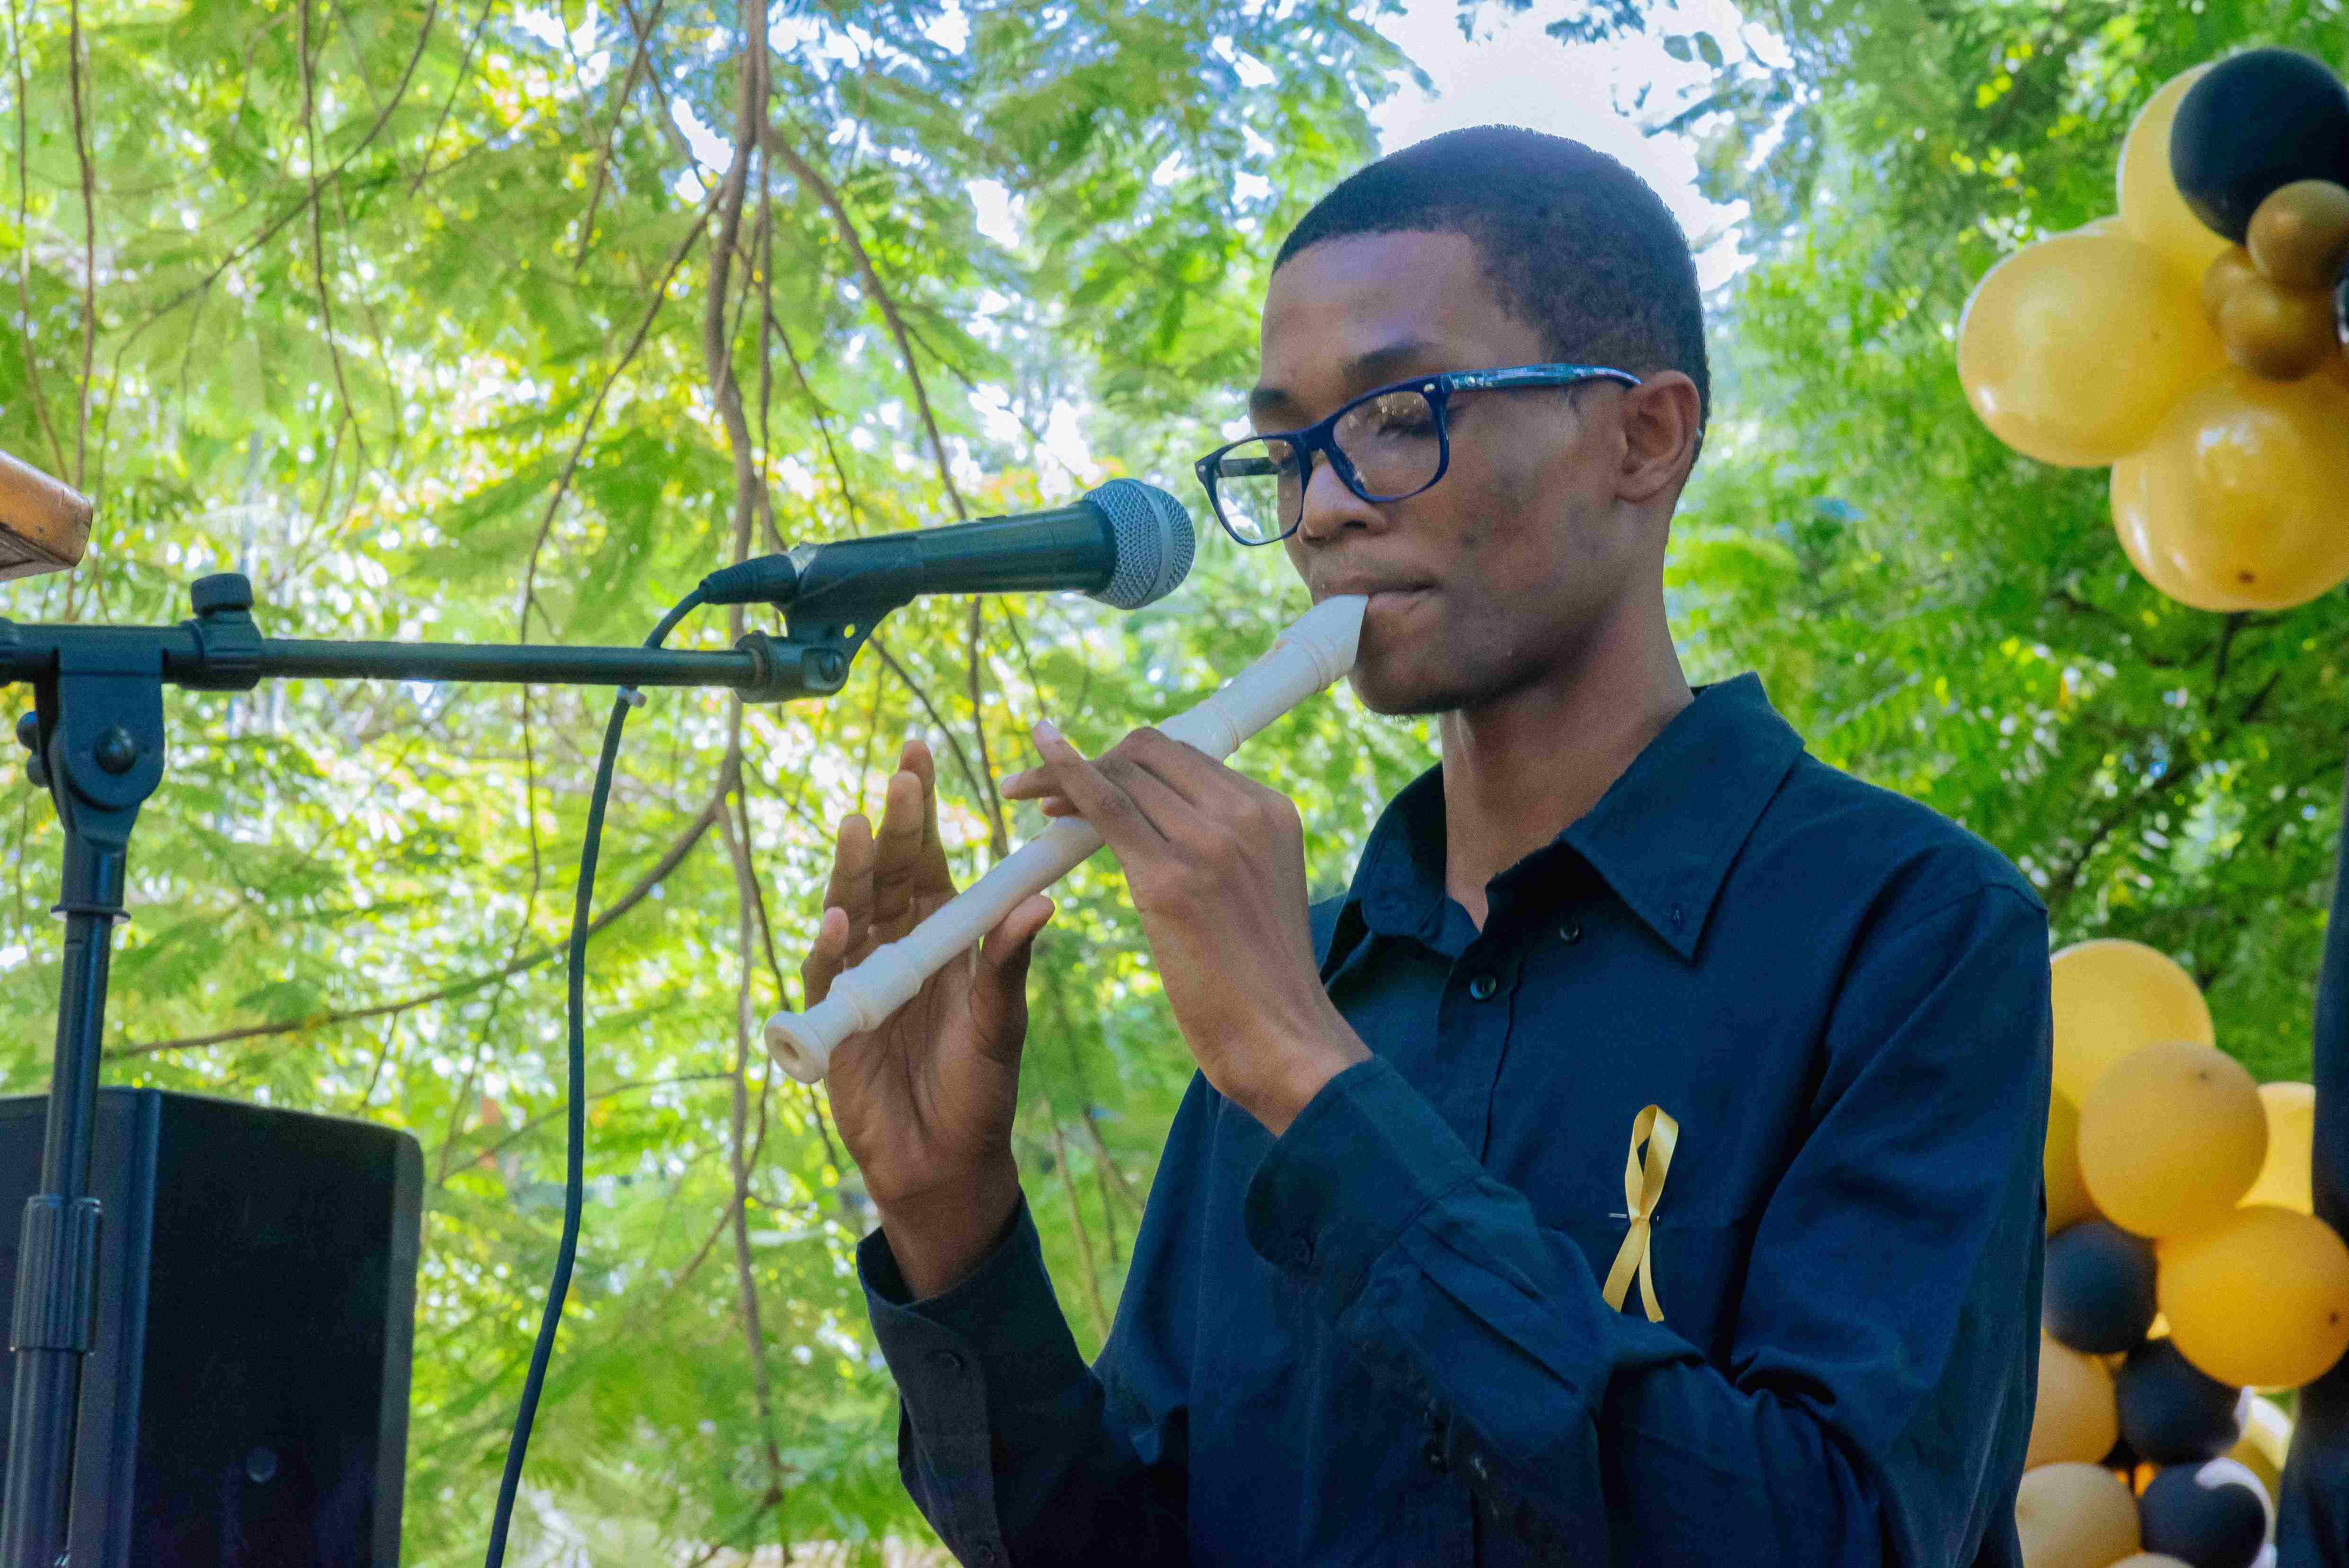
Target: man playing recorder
column 1391, row 1302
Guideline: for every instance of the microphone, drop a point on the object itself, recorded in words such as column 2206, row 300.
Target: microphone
column 1126, row 543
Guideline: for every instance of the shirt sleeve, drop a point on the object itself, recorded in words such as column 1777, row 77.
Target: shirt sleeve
column 1014, row 1449
column 1878, row 1398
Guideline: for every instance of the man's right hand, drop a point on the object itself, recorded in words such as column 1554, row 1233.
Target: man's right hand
column 925, row 1101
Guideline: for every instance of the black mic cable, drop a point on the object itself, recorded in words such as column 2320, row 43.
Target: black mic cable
column 574, row 1120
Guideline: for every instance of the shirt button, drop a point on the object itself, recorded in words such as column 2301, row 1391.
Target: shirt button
column 1483, row 987
column 946, row 1363
column 1570, row 933
column 1433, row 1451
column 1300, row 1248
column 984, row 1553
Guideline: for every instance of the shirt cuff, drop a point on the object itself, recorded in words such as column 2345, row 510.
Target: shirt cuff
column 999, row 1327
column 1360, row 1164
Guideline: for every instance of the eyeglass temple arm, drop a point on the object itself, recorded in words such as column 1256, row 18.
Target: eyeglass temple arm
column 1534, row 375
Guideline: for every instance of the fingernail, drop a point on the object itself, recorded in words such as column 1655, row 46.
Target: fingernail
column 1044, row 732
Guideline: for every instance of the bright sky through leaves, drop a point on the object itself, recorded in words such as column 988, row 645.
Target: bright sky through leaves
column 1513, row 72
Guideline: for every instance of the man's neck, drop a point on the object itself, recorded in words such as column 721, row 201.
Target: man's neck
column 1522, row 768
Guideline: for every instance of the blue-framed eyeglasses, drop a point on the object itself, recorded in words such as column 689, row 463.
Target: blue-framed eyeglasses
column 1387, row 445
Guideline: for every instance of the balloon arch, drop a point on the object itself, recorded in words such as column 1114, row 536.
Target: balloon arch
column 2194, row 342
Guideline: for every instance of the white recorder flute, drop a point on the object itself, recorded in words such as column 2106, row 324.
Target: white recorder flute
column 1310, row 656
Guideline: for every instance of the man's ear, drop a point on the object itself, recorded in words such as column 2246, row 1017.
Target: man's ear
column 1662, row 424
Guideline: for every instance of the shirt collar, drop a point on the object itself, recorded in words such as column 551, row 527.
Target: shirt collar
column 1663, row 837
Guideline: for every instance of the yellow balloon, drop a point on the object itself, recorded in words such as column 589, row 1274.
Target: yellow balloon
column 2283, row 1178
column 2260, row 1300
column 2238, row 502
column 2067, row 1196
column 2075, row 1417
column 2265, row 1442
column 2075, row 1516
column 2113, row 996
column 2151, row 1560
column 2151, row 207
column 2171, row 1138
column 2072, row 350
column 2132, row 522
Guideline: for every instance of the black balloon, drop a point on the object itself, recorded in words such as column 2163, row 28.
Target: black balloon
column 2210, row 1515
column 2098, row 1292
column 2254, row 123
column 2172, row 1411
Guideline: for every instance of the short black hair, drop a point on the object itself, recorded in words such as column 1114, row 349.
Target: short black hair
column 1574, row 243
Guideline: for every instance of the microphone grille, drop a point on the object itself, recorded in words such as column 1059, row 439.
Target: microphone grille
column 1151, row 540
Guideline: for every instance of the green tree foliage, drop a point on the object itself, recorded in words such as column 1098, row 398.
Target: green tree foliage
column 1935, row 612
column 458, row 321
column 455, row 321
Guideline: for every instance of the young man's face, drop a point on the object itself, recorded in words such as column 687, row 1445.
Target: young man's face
column 1503, row 571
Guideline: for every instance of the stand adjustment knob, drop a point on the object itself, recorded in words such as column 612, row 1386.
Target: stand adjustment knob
column 228, row 645
column 28, row 735
column 116, row 751
column 223, row 591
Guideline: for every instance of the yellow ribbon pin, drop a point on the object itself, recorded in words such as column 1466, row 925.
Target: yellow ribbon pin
column 1642, row 1185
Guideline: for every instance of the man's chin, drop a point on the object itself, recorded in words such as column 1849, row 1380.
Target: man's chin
column 1397, row 694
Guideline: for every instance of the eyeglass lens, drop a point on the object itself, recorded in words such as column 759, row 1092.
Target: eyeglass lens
column 1391, row 442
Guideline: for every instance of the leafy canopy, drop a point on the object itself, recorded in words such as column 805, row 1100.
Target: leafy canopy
column 452, row 321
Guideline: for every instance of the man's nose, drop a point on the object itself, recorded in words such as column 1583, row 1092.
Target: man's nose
column 1329, row 506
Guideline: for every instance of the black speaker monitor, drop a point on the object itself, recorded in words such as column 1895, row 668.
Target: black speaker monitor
column 244, row 1402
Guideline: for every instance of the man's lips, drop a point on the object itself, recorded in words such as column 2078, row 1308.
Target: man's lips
column 1382, row 595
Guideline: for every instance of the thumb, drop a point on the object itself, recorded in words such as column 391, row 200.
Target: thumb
column 1003, row 956
column 998, row 993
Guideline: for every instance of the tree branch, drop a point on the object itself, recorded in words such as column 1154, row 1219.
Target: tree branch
column 571, row 465
column 612, row 135
column 962, row 762
column 808, row 176
column 517, row 1134
column 317, row 182
column 464, row 64
column 25, row 246
column 718, row 348
column 318, row 185
column 670, row 860
column 746, row 1285
column 318, row 225
column 998, row 835
column 1077, row 1225
column 88, row 247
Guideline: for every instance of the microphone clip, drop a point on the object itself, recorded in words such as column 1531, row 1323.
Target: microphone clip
column 799, row 666
column 828, row 615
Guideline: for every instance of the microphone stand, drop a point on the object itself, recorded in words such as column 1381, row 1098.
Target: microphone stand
column 96, row 736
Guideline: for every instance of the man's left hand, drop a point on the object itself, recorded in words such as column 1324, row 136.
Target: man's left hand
column 1217, row 865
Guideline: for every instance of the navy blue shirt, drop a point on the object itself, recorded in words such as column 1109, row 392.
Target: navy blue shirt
column 1381, row 1337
